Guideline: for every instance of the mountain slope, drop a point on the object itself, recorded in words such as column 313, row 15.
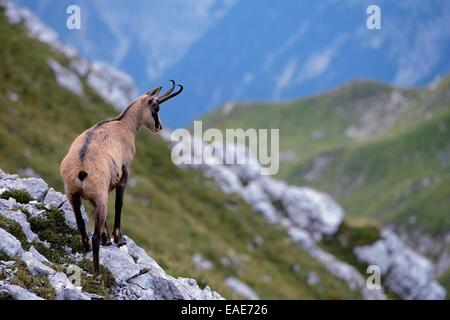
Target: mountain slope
column 174, row 214
column 41, row 254
column 381, row 151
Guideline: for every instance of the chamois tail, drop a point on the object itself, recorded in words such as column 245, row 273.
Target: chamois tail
column 82, row 175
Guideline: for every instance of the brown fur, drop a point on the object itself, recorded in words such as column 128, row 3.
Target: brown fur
column 99, row 160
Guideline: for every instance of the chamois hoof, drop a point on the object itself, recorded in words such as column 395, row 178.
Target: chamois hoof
column 86, row 246
column 106, row 242
column 120, row 242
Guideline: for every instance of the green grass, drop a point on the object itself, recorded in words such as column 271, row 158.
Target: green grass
column 89, row 285
column 21, row 196
column 171, row 213
column 38, row 284
column 57, row 233
column 4, row 257
column 385, row 179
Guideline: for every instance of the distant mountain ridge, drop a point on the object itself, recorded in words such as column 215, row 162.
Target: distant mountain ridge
column 264, row 50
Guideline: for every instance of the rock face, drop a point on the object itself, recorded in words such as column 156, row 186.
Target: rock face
column 307, row 215
column 111, row 84
column 407, row 273
column 136, row 275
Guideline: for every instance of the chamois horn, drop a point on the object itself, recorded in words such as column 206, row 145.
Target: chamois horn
column 169, row 95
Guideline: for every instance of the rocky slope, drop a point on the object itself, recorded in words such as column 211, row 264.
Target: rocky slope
column 33, row 266
column 308, row 216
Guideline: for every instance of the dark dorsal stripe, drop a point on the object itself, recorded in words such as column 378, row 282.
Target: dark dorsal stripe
column 90, row 133
column 87, row 142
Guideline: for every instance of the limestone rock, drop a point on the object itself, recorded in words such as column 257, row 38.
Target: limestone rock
column 9, row 244
column 18, row 293
column 408, row 274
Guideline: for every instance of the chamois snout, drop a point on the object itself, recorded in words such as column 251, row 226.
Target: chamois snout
column 154, row 110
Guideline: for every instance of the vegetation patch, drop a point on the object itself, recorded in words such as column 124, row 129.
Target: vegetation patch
column 40, row 206
column 347, row 238
column 21, row 196
column 15, row 229
column 38, row 284
column 4, row 257
column 55, row 231
column 89, row 285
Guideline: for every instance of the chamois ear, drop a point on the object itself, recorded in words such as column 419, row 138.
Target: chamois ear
column 154, row 92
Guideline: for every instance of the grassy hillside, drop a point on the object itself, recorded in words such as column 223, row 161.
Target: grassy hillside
column 382, row 152
column 172, row 213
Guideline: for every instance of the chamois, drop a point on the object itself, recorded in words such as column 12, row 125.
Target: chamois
column 99, row 161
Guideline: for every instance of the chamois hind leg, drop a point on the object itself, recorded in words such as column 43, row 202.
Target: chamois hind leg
column 99, row 213
column 75, row 201
column 106, row 238
column 120, row 190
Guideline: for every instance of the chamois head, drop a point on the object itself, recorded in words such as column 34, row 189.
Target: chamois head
column 150, row 117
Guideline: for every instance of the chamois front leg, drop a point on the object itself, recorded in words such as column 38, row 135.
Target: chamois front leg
column 120, row 190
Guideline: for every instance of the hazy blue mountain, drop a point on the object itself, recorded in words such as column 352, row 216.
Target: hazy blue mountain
column 225, row 50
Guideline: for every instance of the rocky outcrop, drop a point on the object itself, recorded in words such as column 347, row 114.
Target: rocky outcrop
column 135, row 275
column 407, row 273
column 114, row 86
column 308, row 215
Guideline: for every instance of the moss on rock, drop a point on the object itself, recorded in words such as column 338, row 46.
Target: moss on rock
column 38, row 284
column 89, row 285
column 58, row 234
column 4, row 257
column 20, row 196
